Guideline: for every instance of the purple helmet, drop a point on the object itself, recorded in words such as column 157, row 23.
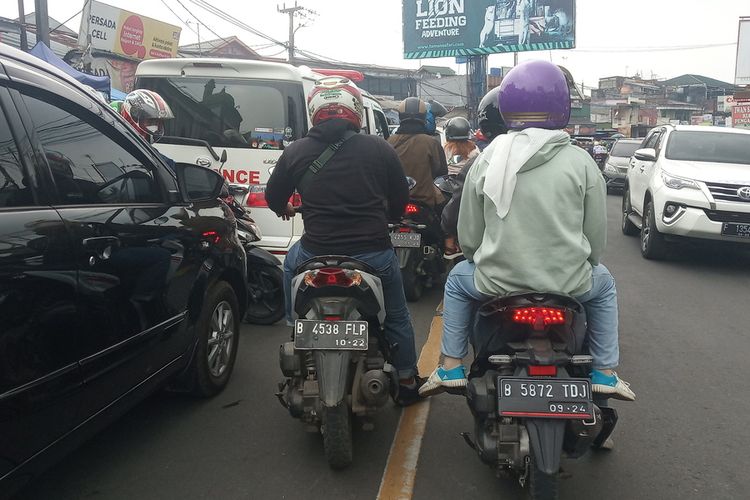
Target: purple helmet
column 535, row 94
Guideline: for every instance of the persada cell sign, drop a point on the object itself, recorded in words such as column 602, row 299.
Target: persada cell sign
column 447, row 28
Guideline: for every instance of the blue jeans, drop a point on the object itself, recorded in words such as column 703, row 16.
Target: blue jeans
column 461, row 298
column 398, row 327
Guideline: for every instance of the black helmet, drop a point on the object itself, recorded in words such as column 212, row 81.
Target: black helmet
column 490, row 122
column 412, row 109
column 457, row 129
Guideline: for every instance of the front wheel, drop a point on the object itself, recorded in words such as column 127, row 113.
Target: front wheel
column 542, row 486
column 337, row 435
column 413, row 284
column 265, row 304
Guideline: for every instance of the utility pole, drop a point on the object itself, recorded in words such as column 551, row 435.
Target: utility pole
column 22, row 21
column 290, row 11
column 42, row 21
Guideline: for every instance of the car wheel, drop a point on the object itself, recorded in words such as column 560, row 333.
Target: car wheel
column 628, row 228
column 218, row 327
column 265, row 305
column 653, row 245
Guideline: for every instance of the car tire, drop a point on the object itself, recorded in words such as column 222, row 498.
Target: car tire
column 265, row 305
column 627, row 226
column 218, row 328
column 653, row 245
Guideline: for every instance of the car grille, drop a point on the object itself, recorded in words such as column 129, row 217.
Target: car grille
column 723, row 216
column 725, row 192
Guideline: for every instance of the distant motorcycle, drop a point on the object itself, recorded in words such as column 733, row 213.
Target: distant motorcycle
column 529, row 390
column 338, row 363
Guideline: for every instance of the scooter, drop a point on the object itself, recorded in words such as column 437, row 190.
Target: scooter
column 529, row 389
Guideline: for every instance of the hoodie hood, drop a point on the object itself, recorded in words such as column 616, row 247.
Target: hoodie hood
column 331, row 131
column 516, row 152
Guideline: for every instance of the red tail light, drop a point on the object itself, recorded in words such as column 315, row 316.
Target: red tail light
column 256, row 197
column 212, row 236
column 542, row 370
column 539, row 317
column 332, row 318
column 296, row 200
column 332, row 276
column 411, row 209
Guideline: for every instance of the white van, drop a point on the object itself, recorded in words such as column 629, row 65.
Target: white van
column 251, row 110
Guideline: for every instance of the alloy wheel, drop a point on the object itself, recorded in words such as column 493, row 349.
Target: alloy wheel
column 220, row 338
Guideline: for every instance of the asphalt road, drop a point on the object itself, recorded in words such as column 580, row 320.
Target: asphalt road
column 684, row 345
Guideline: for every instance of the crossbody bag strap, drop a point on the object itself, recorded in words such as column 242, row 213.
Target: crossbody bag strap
column 320, row 162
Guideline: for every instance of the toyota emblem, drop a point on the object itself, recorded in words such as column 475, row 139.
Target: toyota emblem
column 744, row 193
column 202, row 161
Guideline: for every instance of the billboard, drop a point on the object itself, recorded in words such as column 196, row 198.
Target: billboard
column 741, row 115
column 449, row 28
column 742, row 66
column 125, row 33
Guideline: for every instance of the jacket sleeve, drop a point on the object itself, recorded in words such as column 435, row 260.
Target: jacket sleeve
column 449, row 219
column 595, row 212
column 397, row 188
column 439, row 162
column 280, row 186
column 471, row 215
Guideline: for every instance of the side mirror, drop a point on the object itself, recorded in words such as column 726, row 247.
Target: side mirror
column 198, row 184
column 223, row 158
column 645, row 154
column 237, row 190
column 411, row 181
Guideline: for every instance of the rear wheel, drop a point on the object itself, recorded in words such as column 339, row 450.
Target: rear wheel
column 413, row 284
column 628, row 228
column 542, row 486
column 265, row 305
column 337, row 435
column 653, row 245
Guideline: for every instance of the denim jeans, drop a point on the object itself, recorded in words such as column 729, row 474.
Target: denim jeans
column 461, row 298
column 398, row 327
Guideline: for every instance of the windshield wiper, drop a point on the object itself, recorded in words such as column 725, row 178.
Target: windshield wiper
column 189, row 141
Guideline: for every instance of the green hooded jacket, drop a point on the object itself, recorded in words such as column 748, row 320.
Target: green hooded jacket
column 553, row 233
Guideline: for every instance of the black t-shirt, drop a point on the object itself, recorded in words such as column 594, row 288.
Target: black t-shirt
column 348, row 203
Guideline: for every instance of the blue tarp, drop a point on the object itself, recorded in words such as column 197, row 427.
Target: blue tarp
column 100, row 83
column 117, row 95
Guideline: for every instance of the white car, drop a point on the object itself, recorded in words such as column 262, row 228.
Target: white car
column 688, row 181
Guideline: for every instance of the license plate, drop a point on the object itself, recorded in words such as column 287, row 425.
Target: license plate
column 736, row 229
column 411, row 240
column 334, row 335
column 545, row 398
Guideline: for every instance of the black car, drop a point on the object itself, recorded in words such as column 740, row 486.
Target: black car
column 118, row 275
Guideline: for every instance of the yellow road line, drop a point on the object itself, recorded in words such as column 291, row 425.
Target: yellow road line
column 401, row 467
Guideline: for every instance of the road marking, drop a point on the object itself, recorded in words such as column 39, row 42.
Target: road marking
column 401, row 467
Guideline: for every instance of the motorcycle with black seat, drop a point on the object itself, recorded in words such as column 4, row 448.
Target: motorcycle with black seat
column 338, row 362
column 529, row 390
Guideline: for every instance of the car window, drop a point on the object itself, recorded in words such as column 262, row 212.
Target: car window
column 625, row 149
column 719, row 147
column 381, row 124
column 15, row 187
column 652, row 141
column 87, row 166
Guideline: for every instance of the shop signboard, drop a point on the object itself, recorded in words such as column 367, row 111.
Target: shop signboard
column 450, row 28
column 742, row 66
column 119, row 31
column 741, row 115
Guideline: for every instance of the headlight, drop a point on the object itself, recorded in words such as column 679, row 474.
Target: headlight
column 674, row 182
column 610, row 169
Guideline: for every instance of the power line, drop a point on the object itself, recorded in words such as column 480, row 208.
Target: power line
column 68, row 19
column 201, row 22
column 655, row 49
column 236, row 22
column 179, row 18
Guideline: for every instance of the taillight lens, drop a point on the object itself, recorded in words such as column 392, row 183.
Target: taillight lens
column 539, row 317
column 296, row 200
column 332, row 276
column 212, row 236
column 256, row 196
column 411, row 209
column 542, row 370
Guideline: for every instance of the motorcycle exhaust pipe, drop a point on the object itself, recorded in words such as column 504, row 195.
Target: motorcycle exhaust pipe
column 289, row 360
column 374, row 387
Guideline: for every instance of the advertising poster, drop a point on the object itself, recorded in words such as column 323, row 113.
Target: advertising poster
column 741, row 115
column 126, row 33
column 742, row 67
column 448, row 28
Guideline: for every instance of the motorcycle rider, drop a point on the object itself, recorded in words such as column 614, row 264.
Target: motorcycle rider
column 458, row 143
column 532, row 217
column 146, row 111
column 491, row 125
column 422, row 156
column 347, row 205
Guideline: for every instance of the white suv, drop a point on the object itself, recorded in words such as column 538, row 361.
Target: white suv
column 688, row 181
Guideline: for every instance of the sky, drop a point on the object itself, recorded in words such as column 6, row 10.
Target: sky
column 654, row 38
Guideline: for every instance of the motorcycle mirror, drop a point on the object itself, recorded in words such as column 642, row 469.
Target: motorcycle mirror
column 411, row 181
column 236, row 190
column 455, row 159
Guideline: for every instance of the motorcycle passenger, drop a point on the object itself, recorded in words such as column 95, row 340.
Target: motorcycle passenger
column 146, row 111
column 458, row 143
column 421, row 156
column 491, row 125
column 347, row 205
column 533, row 217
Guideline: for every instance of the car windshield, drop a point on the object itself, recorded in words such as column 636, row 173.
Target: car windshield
column 255, row 114
column 718, row 147
column 625, row 149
